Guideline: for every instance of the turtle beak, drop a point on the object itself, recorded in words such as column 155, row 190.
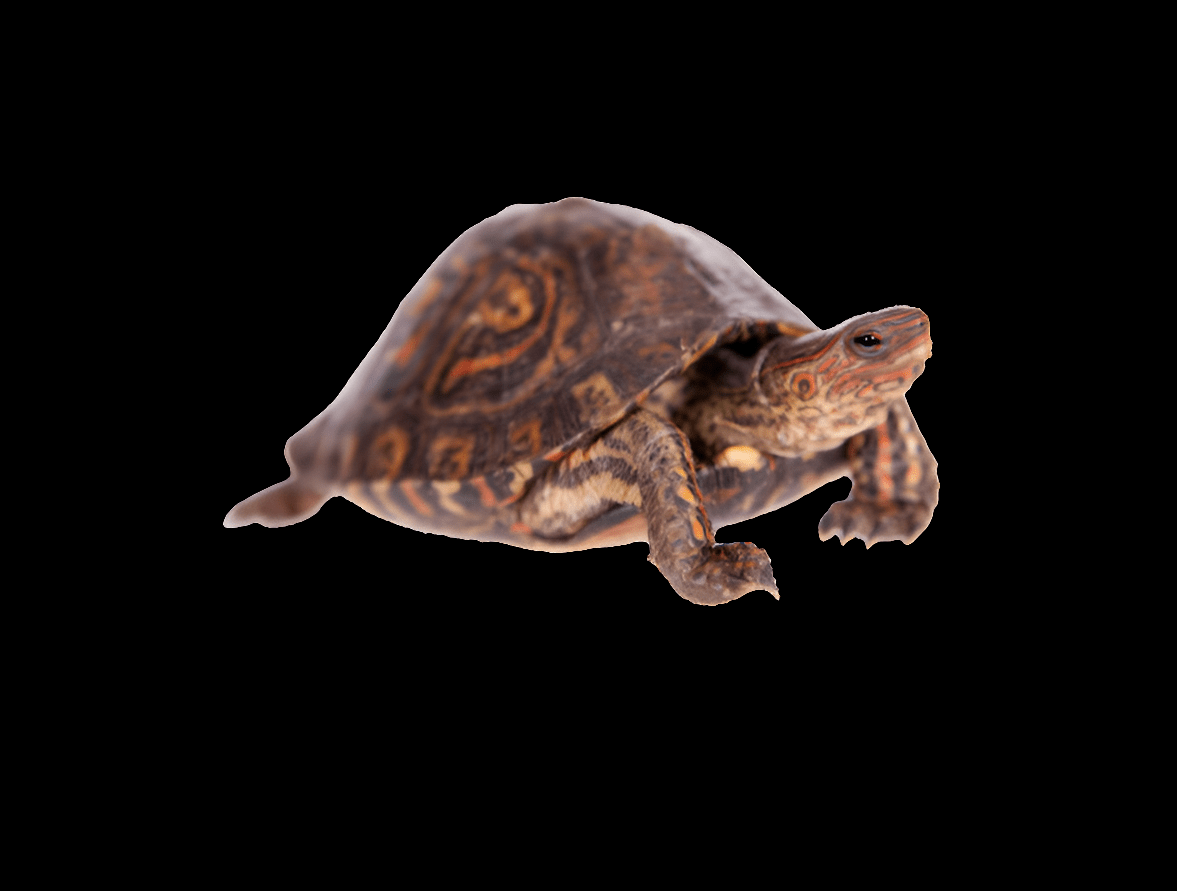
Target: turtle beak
column 921, row 344
column 910, row 336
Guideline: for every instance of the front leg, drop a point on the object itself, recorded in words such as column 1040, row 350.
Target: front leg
column 682, row 545
column 895, row 484
column 645, row 460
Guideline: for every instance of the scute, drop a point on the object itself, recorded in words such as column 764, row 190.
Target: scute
column 533, row 331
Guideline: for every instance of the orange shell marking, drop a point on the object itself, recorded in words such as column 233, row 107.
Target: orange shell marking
column 402, row 356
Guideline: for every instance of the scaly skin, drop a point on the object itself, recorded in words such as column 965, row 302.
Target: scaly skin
column 646, row 461
column 895, row 485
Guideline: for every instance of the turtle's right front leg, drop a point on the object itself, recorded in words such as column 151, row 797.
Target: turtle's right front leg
column 650, row 454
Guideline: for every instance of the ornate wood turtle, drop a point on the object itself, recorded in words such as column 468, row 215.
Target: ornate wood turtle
column 578, row 375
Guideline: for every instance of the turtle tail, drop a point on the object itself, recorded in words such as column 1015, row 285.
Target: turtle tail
column 283, row 504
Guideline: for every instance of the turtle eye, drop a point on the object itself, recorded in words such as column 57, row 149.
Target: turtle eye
column 868, row 340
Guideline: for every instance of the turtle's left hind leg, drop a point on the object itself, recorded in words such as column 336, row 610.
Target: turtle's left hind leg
column 646, row 460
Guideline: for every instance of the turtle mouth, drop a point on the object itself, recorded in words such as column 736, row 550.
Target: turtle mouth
column 882, row 383
column 885, row 384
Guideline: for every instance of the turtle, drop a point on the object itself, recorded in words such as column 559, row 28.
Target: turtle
column 579, row 374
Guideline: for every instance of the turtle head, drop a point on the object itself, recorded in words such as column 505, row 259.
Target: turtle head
column 827, row 386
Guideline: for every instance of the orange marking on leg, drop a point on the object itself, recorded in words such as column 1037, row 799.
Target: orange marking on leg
column 697, row 528
column 914, row 473
column 484, row 492
column 684, row 492
column 555, row 455
column 419, row 504
column 883, row 464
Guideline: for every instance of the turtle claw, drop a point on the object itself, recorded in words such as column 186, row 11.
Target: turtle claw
column 727, row 572
column 891, row 521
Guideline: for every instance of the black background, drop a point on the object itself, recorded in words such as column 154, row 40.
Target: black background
column 290, row 189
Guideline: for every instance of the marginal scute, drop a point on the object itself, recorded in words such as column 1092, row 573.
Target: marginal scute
column 523, row 437
column 419, row 504
column 387, row 453
column 450, row 455
column 445, row 490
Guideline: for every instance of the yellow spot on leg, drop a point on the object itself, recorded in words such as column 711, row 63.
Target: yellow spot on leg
column 697, row 529
column 740, row 457
column 684, row 492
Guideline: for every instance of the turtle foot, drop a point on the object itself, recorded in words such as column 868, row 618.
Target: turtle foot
column 892, row 521
column 727, row 572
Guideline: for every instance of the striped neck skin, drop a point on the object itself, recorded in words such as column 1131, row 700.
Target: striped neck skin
column 823, row 388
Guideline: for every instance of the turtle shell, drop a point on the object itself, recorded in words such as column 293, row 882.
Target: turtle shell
column 535, row 330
